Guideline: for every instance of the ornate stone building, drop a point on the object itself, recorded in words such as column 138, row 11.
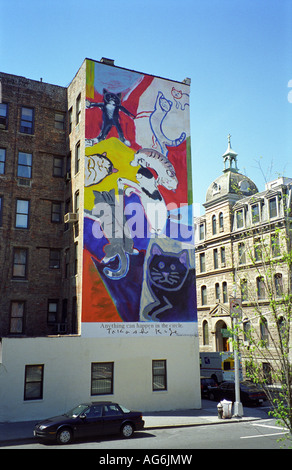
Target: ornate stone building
column 238, row 222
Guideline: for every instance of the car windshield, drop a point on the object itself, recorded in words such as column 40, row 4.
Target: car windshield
column 124, row 409
column 76, row 411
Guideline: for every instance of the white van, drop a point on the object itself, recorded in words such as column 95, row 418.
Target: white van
column 219, row 366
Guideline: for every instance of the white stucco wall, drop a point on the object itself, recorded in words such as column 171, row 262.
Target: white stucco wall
column 67, row 373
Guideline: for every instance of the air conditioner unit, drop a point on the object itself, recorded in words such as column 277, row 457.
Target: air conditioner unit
column 70, row 217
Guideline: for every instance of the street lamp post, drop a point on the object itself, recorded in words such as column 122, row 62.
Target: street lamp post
column 235, row 311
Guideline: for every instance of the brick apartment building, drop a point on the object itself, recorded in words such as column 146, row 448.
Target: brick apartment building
column 37, row 249
column 84, row 313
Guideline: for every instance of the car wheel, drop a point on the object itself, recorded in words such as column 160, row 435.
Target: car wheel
column 64, row 436
column 127, row 430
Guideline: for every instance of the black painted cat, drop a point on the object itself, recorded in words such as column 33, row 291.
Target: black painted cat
column 111, row 108
column 166, row 278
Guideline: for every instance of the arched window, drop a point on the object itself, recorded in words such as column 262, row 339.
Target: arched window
column 246, row 329
column 243, row 290
column 217, row 292
column 214, row 225
column 224, row 290
column 221, row 222
column 204, row 295
column 205, row 332
column 260, row 288
column 278, row 282
column 264, row 331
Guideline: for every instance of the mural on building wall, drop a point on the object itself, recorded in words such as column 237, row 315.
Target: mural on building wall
column 138, row 232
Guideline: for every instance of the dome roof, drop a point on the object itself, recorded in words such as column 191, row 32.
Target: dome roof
column 231, row 184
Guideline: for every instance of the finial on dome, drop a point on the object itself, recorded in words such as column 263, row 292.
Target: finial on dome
column 229, row 157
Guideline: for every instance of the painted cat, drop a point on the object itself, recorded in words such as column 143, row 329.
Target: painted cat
column 181, row 99
column 166, row 275
column 149, row 158
column 153, row 203
column 111, row 107
column 97, row 167
column 161, row 109
column 109, row 213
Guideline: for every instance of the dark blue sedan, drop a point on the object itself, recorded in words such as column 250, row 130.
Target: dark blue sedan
column 88, row 420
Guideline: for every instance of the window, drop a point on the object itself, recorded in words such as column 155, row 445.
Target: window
column 77, row 157
column 55, row 259
column 264, row 331
column 204, row 295
column 58, row 167
column 1, row 209
column 202, row 231
column 273, row 207
column 76, row 259
column 76, row 202
column 16, row 317
column 241, row 253
column 205, row 332
column 70, row 119
column 33, row 385
column 214, row 225
column 239, row 218
column 3, row 115
column 24, row 165
column 159, row 381
column 2, row 160
column 60, row 121
column 52, row 311
column 260, row 288
column 22, row 213
column 243, row 290
column 221, row 222
column 275, row 244
column 102, row 378
column 202, row 263
column 19, row 269
column 257, row 249
column 217, row 292
column 278, row 282
column 27, row 120
column 56, row 212
column 215, row 257
column 255, row 213
column 78, row 109
column 246, row 330
column 224, row 290
column 223, row 261
column 67, row 263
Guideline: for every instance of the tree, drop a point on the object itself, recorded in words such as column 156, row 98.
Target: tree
column 263, row 274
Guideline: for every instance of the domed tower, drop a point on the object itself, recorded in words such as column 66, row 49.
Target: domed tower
column 231, row 185
column 215, row 252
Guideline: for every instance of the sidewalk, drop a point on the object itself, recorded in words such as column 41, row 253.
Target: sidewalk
column 23, row 431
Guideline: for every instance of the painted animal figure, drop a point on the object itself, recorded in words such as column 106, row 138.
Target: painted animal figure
column 161, row 109
column 149, row 158
column 166, row 275
column 111, row 108
column 97, row 167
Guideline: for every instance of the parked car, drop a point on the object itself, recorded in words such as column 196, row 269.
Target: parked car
column 250, row 393
column 207, row 386
column 90, row 419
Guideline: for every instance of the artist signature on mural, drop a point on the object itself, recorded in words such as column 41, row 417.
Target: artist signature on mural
column 151, row 329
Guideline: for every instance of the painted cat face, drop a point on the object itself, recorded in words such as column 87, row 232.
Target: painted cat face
column 165, row 104
column 111, row 98
column 97, row 167
column 168, row 271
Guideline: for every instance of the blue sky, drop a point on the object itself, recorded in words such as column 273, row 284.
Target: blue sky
column 238, row 54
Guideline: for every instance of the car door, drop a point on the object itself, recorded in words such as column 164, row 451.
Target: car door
column 113, row 417
column 91, row 422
